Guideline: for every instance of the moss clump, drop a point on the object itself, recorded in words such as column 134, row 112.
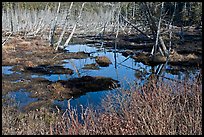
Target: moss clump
column 103, row 61
column 92, row 66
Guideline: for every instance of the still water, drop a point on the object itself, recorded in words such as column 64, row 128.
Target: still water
column 123, row 69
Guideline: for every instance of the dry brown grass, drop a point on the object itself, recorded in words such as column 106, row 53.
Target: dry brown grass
column 156, row 109
column 162, row 109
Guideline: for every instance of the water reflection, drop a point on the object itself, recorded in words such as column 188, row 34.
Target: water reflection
column 7, row 70
column 124, row 69
column 21, row 98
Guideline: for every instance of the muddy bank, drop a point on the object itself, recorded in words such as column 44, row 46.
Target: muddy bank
column 187, row 51
column 44, row 69
column 174, row 59
column 31, row 53
column 103, row 61
column 93, row 66
column 46, row 91
column 79, row 86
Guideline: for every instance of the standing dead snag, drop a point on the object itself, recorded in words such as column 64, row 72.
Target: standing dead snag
column 64, row 27
column 12, row 14
column 154, row 49
column 59, row 46
column 53, row 27
column 156, row 30
column 70, row 36
column 150, row 19
column 170, row 29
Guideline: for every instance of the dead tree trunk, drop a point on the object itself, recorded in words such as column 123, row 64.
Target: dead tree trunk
column 11, row 15
column 53, row 27
column 3, row 43
column 150, row 19
column 134, row 26
column 155, row 30
column 158, row 34
column 170, row 29
column 64, row 27
column 70, row 36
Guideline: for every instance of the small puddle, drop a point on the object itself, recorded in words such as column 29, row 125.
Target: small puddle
column 21, row 98
column 53, row 77
column 81, row 48
column 6, row 70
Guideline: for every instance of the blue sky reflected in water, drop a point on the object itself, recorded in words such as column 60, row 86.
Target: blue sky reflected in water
column 7, row 70
column 123, row 69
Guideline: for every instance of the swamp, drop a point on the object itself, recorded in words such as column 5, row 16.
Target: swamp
column 102, row 68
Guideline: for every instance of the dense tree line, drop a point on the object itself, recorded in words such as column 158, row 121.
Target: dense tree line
column 188, row 13
column 146, row 18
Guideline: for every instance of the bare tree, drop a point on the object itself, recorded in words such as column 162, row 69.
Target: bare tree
column 75, row 25
column 170, row 28
column 154, row 49
column 53, row 27
column 64, row 27
column 11, row 15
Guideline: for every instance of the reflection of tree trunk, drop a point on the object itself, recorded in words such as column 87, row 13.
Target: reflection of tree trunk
column 116, row 37
column 77, row 71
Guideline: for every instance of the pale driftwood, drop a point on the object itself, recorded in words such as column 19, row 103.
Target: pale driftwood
column 3, row 43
